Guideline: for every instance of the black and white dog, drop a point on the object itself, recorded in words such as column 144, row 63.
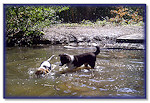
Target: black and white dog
column 74, row 61
column 44, row 68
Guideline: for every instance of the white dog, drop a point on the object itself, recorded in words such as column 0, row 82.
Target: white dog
column 44, row 68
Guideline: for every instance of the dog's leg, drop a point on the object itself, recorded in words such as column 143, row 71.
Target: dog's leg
column 71, row 70
column 77, row 69
column 66, row 71
column 92, row 64
column 87, row 67
column 86, row 64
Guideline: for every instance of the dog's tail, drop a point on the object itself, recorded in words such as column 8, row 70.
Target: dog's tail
column 97, row 50
column 50, row 57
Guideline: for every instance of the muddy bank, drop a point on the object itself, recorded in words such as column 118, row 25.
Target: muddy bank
column 105, row 36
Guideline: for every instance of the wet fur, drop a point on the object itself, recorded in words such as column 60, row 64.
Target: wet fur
column 44, row 68
column 78, row 60
column 41, row 71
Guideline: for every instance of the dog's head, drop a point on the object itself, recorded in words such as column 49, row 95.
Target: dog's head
column 41, row 71
column 64, row 58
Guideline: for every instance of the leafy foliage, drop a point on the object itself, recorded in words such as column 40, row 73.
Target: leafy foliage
column 25, row 23
column 127, row 15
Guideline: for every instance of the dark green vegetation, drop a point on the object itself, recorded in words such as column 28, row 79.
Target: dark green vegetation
column 25, row 23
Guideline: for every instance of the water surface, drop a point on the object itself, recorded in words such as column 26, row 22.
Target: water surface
column 118, row 73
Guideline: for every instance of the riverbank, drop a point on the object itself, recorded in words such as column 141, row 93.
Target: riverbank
column 108, row 36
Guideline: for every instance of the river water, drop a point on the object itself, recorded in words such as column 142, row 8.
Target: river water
column 118, row 73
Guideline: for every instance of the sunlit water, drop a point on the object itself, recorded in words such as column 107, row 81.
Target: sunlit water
column 118, row 73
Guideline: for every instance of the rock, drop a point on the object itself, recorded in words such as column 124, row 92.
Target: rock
column 72, row 39
column 64, row 40
column 132, row 38
column 80, row 39
column 107, row 36
column 97, row 38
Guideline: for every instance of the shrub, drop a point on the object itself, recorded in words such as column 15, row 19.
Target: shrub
column 127, row 15
column 25, row 23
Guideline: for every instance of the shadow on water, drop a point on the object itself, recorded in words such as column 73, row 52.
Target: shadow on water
column 118, row 73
